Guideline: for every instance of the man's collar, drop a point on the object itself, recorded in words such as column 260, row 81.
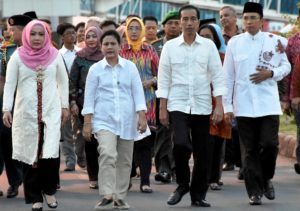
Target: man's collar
column 254, row 37
column 182, row 41
column 65, row 50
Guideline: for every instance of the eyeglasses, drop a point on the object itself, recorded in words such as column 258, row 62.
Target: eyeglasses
column 68, row 33
column 134, row 28
column 251, row 18
column 192, row 19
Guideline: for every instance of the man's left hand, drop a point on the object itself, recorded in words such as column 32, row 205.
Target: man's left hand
column 260, row 75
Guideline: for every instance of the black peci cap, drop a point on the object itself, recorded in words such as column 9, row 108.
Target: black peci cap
column 19, row 20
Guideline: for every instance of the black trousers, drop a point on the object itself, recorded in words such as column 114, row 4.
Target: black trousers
column 92, row 154
column 259, row 148
column 142, row 158
column 39, row 180
column 163, row 150
column 13, row 167
column 191, row 135
column 215, row 151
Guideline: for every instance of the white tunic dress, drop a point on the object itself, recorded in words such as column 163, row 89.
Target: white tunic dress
column 55, row 93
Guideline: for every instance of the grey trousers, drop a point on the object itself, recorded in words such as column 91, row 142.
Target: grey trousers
column 73, row 143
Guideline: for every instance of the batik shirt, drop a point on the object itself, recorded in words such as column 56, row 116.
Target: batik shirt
column 146, row 61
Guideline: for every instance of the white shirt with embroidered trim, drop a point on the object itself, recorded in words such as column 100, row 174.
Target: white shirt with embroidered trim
column 185, row 73
column 114, row 95
column 244, row 98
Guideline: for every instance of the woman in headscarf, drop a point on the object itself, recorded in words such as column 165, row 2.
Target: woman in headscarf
column 84, row 59
column 37, row 74
column 146, row 59
column 222, row 131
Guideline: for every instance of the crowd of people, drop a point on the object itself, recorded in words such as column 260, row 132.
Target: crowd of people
column 114, row 97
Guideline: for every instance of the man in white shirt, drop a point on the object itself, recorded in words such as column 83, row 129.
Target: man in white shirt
column 188, row 65
column 70, row 129
column 254, row 62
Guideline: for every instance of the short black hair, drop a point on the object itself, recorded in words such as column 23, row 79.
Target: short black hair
column 188, row 7
column 214, row 33
column 81, row 24
column 107, row 23
column 113, row 33
column 61, row 28
column 150, row 18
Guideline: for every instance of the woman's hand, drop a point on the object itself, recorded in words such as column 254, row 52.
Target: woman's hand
column 87, row 131
column 142, row 122
column 7, row 119
column 147, row 84
column 64, row 115
column 74, row 109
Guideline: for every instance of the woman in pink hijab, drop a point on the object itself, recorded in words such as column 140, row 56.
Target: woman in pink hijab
column 37, row 74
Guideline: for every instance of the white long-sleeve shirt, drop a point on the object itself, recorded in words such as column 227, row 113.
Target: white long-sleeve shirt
column 245, row 98
column 113, row 95
column 68, row 56
column 185, row 73
column 55, row 96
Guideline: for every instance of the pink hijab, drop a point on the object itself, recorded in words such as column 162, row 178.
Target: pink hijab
column 33, row 58
column 93, row 54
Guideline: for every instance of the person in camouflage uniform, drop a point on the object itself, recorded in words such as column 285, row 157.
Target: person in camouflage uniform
column 13, row 168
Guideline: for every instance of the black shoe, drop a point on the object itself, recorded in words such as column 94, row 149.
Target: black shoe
column 240, row 175
column 1, row 193
column 163, row 177
column 120, row 204
column 200, row 203
column 12, row 191
column 297, row 168
column 269, row 190
column 177, row 195
column 255, row 200
column 104, row 204
column 51, row 205
column 228, row 167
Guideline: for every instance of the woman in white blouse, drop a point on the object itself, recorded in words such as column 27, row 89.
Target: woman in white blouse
column 114, row 110
column 36, row 73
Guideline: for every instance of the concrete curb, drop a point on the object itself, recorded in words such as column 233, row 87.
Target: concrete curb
column 287, row 145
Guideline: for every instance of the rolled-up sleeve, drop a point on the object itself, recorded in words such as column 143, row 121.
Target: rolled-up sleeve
column 90, row 91
column 164, row 74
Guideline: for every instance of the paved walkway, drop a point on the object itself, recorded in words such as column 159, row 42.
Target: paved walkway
column 76, row 196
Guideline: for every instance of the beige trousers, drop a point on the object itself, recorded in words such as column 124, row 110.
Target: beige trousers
column 115, row 159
